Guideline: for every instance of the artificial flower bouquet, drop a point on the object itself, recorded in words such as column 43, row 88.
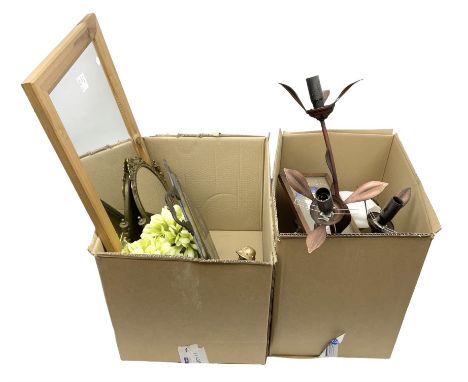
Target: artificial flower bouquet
column 164, row 236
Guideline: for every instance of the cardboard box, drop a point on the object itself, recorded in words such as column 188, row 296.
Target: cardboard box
column 358, row 284
column 159, row 303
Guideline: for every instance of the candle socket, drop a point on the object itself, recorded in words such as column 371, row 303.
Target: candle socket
column 390, row 210
column 315, row 91
column 379, row 222
column 324, row 200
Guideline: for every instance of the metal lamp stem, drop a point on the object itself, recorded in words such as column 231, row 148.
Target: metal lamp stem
column 336, row 188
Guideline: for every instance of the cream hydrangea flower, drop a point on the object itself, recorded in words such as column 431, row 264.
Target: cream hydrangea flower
column 163, row 236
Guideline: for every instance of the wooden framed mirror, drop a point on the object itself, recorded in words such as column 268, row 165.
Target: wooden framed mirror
column 79, row 100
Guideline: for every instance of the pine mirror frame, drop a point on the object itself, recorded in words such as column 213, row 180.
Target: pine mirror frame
column 38, row 86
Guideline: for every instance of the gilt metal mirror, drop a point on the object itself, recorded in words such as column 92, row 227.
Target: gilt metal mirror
column 80, row 102
column 144, row 193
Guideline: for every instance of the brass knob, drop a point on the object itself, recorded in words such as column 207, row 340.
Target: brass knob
column 246, row 253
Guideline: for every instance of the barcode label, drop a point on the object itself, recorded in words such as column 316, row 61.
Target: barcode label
column 192, row 354
column 331, row 350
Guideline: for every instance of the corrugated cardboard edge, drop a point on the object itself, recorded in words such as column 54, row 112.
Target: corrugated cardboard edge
column 209, row 135
column 270, row 228
column 104, row 148
column 344, row 235
column 272, row 295
column 274, row 182
column 275, row 229
column 96, row 250
column 269, row 204
column 345, row 131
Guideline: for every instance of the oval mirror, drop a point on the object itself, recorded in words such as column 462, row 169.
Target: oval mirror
column 150, row 191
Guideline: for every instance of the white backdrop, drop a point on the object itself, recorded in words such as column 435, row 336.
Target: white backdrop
column 199, row 66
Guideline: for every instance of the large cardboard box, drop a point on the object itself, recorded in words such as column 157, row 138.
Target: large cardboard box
column 358, row 284
column 159, row 303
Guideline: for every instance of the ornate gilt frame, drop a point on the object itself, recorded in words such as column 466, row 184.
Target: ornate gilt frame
column 132, row 199
column 38, row 86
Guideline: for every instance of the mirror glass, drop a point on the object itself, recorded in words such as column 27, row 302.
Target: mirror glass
column 86, row 105
column 89, row 113
column 151, row 191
